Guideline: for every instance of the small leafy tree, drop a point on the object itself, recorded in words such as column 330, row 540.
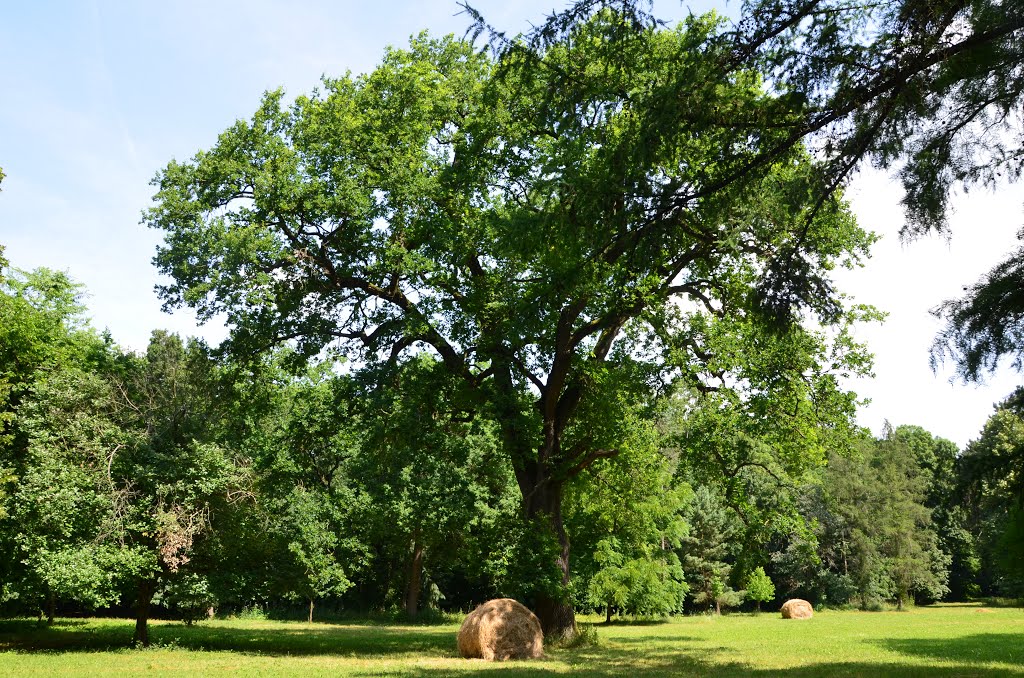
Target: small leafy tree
column 649, row 585
column 760, row 588
column 425, row 472
column 627, row 518
column 313, row 543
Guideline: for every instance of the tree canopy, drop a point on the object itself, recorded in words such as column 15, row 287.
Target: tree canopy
column 932, row 90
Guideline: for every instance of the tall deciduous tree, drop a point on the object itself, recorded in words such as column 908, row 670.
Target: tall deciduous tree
column 42, row 328
column 43, row 331
column 558, row 227
column 125, row 473
column 992, row 479
column 179, row 473
column 72, row 506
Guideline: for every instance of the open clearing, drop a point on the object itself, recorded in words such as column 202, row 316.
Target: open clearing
column 943, row 640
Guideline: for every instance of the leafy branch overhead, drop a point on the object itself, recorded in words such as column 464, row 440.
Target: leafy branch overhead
column 930, row 89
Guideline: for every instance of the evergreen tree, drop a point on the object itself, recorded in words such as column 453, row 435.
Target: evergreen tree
column 889, row 546
column 706, row 551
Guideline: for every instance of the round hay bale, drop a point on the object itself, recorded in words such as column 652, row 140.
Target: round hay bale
column 501, row 629
column 794, row 608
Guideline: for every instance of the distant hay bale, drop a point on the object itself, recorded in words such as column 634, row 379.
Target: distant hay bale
column 797, row 609
column 501, row 629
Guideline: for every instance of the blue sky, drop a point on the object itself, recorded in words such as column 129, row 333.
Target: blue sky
column 98, row 96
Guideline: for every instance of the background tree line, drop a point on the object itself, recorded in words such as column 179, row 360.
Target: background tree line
column 179, row 481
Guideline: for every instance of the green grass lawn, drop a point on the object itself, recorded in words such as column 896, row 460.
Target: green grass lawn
column 944, row 640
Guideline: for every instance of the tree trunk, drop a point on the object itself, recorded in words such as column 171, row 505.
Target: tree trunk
column 718, row 607
column 608, row 613
column 534, row 467
column 412, row 592
column 147, row 587
column 51, row 604
column 543, row 503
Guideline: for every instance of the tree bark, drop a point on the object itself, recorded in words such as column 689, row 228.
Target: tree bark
column 412, row 592
column 310, row 620
column 147, row 587
column 543, row 503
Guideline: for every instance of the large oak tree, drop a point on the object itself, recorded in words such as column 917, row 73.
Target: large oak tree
column 567, row 228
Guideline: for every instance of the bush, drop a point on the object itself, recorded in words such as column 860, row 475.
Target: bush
column 637, row 586
column 189, row 596
column 586, row 636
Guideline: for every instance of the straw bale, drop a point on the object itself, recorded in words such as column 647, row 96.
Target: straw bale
column 501, row 629
column 795, row 608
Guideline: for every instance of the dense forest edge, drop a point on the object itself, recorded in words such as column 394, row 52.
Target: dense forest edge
column 550, row 320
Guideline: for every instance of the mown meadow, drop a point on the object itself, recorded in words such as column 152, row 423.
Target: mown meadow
column 941, row 640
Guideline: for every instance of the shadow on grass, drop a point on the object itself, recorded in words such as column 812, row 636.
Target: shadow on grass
column 643, row 665
column 1005, row 648
column 851, row 670
column 651, row 657
column 292, row 639
column 643, row 662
